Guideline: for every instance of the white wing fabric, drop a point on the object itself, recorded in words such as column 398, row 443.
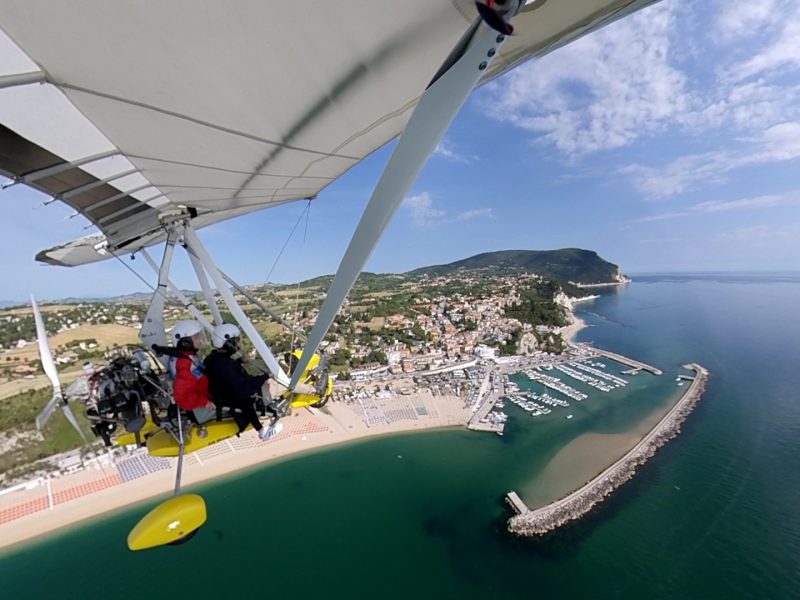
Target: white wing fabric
column 225, row 107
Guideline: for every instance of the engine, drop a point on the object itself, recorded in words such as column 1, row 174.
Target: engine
column 123, row 393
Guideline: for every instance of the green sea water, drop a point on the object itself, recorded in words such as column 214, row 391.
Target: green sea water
column 713, row 515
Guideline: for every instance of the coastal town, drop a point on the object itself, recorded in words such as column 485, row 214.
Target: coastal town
column 438, row 350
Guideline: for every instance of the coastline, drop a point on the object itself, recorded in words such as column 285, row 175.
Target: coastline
column 106, row 492
column 538, row 522
column 569, row 332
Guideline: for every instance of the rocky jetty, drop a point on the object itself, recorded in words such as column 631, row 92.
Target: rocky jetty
column 578, row 503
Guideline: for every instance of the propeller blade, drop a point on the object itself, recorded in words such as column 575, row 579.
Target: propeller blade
column 47, row 412
column 74, row 422
column 48, row 364
column 77, row 390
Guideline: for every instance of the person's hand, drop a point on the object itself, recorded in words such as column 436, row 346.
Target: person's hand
column 305, row 388
column 210, row 406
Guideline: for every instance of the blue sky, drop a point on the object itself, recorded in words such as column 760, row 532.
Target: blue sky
column 669, row 141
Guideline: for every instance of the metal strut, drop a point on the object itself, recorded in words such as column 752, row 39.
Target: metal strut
column 196, row 247
column 436, row 109
column 153, row 331
column 187, row 303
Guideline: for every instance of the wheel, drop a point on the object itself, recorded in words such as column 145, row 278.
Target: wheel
column 321, row 402
column 185, row 538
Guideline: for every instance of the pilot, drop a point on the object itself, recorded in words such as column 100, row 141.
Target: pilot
column 231, row 385
column 190, row 387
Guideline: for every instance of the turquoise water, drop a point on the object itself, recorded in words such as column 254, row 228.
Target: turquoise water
column 713, row 515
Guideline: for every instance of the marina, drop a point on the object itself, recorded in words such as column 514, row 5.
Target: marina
column 527, row 522
column 492, row 384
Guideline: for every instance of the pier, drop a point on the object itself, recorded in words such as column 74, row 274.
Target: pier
column 516, row 503
column 628, row 361
column 536, row 522
column 491, row 391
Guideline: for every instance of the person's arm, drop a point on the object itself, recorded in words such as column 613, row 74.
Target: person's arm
column 253, row 383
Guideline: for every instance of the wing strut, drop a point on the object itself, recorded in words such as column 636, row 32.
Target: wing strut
column 435, row 111
column 254, row 299
column 196, row 247
column 152, row 332
column 207, row 292
column 187, row 304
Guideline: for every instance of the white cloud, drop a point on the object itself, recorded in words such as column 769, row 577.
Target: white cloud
column 600, row 92
column 425, row 215
column 781, row 52
column 784, row 239
column 717, row 206
column 476, row 213
column 446, row 151
column 656, row 72
column 743, row 19
column 778, row 143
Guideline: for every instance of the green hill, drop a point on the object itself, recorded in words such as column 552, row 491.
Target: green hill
column 567, row 264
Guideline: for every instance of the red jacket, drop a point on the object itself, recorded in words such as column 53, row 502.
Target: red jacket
column 191, row 385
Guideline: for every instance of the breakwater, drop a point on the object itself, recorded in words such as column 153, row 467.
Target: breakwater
column 540, row 521
column 628, row 361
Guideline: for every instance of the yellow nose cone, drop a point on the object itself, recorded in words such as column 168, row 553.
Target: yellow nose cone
column 168, row 522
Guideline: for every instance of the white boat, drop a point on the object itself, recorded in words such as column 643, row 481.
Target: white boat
column 569, row 416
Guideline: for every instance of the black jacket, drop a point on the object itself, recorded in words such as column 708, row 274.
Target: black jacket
column 228, row 381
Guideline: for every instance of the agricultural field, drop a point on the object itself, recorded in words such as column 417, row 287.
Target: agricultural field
column 107, row 336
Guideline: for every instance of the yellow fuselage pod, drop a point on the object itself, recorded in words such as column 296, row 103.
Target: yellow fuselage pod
column 168, row 522
column 301, row 400
column 163, row 443
column 128, row 439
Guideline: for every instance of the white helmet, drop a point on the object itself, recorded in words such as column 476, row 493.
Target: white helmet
column 223, row 333
column 185, row 329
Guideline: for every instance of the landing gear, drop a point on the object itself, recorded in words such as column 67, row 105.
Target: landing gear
column 322, row 402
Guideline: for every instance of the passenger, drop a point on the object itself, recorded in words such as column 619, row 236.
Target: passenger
column 190, row 387
column 231, row 385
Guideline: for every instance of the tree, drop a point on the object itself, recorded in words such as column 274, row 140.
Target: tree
column 341, row 357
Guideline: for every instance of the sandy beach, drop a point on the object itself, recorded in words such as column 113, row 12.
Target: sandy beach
column 570, row 331
column 26, row 513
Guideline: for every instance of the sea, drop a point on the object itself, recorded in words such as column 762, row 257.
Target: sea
column 715, row 514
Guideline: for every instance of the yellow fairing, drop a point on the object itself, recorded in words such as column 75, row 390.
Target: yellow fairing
column 163, row 443
column 168, row 522
column 301, row 400
column 127, row 439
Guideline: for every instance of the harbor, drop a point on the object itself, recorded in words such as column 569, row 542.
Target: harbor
column 540, row 521
column 549, row 371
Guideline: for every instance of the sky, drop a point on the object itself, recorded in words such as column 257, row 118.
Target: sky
column 668, row 141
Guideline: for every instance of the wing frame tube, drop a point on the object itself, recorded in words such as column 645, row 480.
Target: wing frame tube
column 207, row 291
